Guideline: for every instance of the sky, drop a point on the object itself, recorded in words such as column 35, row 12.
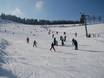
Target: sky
column 52, row 9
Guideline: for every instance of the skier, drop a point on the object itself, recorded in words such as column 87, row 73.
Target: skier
column 49, row 32
column 52, row 35
column 55, row 41
column 64, row 33
column 35, row 43
column 75, row 34
column 62, row 42
column 61, row 37
column 75, row 43
column 65, row 38
column 27, row 39
column 56, row 32
column 52, row 46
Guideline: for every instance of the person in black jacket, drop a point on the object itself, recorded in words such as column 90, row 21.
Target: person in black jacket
column 75, row 43
column 55, row 42
column 27, row 39
column 35, row 43
column 62, row 42
column 52, row 46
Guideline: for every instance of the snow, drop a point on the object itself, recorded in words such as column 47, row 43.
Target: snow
column 21, row 60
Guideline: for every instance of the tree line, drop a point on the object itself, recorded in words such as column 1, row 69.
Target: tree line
column 35, row 21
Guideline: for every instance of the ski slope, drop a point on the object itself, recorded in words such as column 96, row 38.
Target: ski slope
column 21, row 60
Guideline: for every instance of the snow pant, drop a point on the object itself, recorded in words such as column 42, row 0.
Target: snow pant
column 76, row 47
column 34, row 45
column 52, row 48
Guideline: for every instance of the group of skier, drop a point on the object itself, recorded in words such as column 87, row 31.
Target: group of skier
column 63, row 40
column 34, row 42
column 74, row 43
column 55, row 42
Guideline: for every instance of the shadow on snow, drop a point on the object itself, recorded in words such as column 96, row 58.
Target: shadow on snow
column 4, row 72
column 94, row 51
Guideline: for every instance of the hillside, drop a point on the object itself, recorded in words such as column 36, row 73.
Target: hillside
column 21, row 60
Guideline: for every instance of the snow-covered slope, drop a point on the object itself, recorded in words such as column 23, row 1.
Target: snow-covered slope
column 21, row 60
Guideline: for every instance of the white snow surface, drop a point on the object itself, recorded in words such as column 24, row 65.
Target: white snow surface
column 21, row 60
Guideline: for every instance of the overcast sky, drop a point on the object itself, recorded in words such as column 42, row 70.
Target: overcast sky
column 52, row 9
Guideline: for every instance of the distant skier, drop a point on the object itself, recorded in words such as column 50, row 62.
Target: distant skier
column 75, row 43
column 52, row 35
column 62, row 42
column 55, row 42
column 35, row 43
column 75, row 34
column 61, row 37
column 65, row 38
column 49, row 32
column 27, row 39
column 52, row 46
column 64, row 33
column 56, row 32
